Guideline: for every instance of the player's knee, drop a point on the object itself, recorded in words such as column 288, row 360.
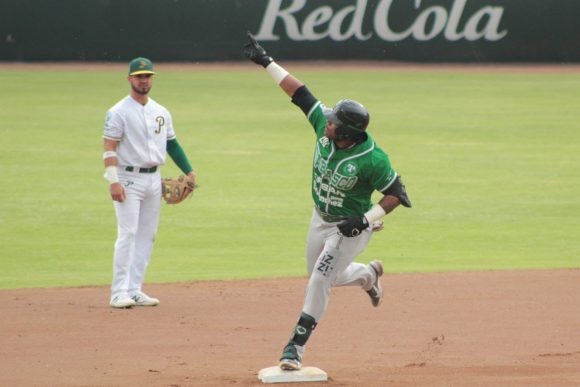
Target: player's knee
column 127, row 233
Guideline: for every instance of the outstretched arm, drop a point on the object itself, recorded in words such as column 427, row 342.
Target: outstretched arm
column 258, row 55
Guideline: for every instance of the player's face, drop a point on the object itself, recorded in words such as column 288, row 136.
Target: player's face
column 141, row 83
column 330, row 130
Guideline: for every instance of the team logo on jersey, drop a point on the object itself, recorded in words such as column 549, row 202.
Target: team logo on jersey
column 344, row 183
column 350, row 169
column 160, row 122
column 324, row 141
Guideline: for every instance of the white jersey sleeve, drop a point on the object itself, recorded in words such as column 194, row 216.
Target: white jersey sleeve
column 114, row 126
column 170, row 131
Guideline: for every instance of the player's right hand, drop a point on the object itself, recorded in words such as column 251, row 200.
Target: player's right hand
column 117, row 192
column 256, row 53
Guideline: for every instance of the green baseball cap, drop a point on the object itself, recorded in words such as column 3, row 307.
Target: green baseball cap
column 141, row 66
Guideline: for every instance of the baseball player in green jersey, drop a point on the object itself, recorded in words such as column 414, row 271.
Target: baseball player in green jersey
column 348, row 167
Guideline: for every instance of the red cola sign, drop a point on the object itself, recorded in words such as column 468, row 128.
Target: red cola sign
column 330, row 21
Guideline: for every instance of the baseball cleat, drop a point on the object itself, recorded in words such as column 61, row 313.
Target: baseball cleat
column 122, row 301
column 292, row 357
column 290, row 364
column 376, row 291
column 142, row 299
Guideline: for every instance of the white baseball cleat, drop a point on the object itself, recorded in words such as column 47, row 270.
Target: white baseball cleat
column 376, row 291
column 142, row 299
column 122, row 301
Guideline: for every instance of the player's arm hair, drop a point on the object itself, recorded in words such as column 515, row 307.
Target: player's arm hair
column 178, row 156
column 397, row 192
column 304, row 99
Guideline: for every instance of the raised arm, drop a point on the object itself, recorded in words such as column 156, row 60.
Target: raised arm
column 258, row 55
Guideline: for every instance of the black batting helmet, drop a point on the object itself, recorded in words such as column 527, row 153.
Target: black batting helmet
column 351, row 117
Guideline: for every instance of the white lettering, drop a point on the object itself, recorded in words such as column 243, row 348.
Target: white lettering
column 420, row 26
column 318, row 17
column 347, row 22
column 490, row 31
column 382, row 27
column 355, row 28
column 273, row 12
column 451, row 32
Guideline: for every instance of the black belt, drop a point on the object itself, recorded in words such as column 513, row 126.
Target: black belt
column 329, row 218
column 141, row 170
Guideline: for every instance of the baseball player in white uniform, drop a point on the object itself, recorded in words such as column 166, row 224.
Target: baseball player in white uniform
column 137, row 136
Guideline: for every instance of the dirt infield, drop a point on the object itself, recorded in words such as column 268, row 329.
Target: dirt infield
column 502, row 328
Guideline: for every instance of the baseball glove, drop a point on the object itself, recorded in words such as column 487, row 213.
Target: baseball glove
column 176, row 190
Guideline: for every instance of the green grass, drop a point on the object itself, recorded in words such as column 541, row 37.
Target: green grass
column 491, row 162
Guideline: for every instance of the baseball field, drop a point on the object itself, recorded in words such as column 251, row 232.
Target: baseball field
column 482, row 282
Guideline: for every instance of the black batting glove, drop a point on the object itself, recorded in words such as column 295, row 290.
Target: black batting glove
column 256, row 53
column 352, row 227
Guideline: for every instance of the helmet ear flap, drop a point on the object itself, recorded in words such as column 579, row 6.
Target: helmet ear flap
column 345, row 132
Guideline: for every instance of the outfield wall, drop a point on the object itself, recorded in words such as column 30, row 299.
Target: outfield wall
column 214, row 30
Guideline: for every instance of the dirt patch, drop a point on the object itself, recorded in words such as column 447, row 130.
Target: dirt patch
column 504, row 328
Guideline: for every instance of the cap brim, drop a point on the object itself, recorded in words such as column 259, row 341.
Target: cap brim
column 142, row 72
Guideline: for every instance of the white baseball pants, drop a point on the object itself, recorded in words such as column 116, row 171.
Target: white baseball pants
column 137, row 221
column 330, row 263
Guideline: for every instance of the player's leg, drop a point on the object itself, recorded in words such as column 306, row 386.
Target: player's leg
column 334, row 260
column 127, row 214
column 315, row 241
column 358, row 274
column 292, row 353
column 355, row 274
column 144, row 239
column 328, row 265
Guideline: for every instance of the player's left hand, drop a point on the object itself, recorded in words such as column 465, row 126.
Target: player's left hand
column 352, row 227
column 176, row 190
column 192, row 176
column 256, row 53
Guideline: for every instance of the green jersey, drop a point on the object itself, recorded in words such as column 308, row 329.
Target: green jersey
column 343, row 180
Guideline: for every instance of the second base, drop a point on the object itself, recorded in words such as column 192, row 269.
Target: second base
column 306, row 374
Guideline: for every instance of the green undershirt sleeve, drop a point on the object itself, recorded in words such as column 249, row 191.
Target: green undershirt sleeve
column 178, row 156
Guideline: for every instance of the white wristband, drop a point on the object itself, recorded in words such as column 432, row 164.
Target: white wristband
column 111, row 174
column 276, row 72
column 108, row 154
column 375, row 213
